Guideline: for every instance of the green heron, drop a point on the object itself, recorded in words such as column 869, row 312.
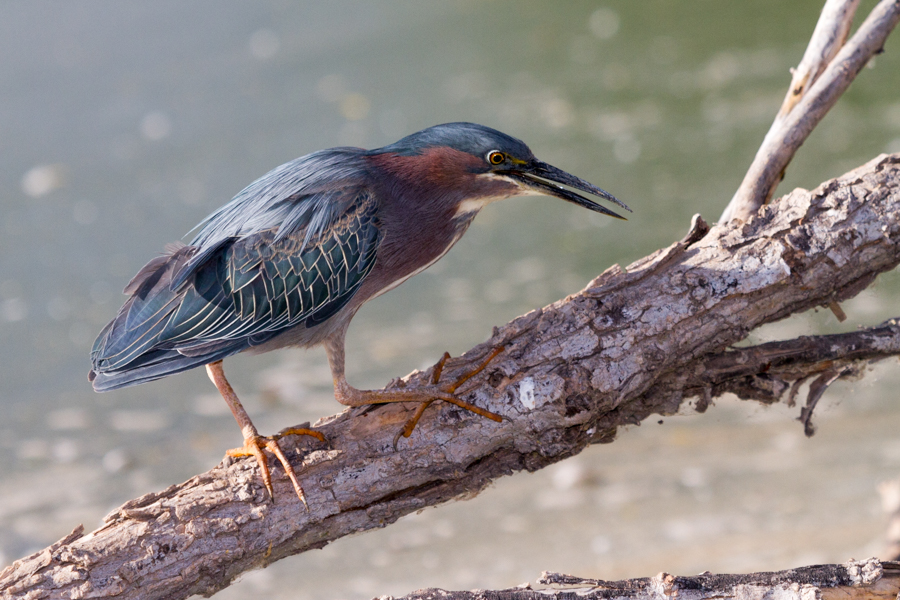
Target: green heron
column 293, row 256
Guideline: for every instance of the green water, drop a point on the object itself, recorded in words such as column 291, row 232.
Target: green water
column 123, row 125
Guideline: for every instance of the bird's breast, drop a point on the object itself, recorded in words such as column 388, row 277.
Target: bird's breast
column 402, row 276
column 413, row 240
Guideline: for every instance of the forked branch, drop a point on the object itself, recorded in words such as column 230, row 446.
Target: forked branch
column 828, row 68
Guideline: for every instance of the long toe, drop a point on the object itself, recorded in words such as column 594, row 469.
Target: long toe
column 447, row 392
column 299, row 431
column 273, row 447
column 255, row 446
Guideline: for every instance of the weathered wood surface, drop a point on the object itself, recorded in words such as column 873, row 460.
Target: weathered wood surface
column 827, row 69
column 855, row 580
column 570, row 374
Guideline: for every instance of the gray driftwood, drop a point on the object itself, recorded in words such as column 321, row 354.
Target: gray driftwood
column 855, row 580
column 634, row 342
column 827, row 69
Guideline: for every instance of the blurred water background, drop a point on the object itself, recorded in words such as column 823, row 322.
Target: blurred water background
column 124, row 124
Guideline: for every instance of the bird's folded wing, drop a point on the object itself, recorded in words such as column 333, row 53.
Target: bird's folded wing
column 250, row 289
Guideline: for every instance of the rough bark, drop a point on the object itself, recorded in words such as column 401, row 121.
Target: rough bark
column 855, row 580
column 634, row 342
column 826, row 71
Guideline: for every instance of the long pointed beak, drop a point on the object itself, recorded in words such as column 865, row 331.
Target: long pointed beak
column 543, row 178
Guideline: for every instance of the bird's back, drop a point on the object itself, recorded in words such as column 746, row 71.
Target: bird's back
column 289, row 251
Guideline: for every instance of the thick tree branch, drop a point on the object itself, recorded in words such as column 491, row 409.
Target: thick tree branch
column 869, row 579
column 569, row 376
column 814, row 90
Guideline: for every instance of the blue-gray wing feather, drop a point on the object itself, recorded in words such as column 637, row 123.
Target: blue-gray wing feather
column 253, row 286
column 306, row 194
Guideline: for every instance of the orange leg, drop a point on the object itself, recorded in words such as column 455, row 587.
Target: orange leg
column 254, row 444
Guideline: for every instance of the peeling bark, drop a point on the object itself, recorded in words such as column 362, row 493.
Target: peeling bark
column 634, row 342
column 854, row 580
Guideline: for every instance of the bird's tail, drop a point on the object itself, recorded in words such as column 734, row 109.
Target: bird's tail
column 130, row 350
column 164, row 364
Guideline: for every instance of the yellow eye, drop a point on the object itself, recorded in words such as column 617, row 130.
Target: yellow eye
column 496, row 157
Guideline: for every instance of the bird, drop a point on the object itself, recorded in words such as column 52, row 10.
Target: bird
column 292, row 257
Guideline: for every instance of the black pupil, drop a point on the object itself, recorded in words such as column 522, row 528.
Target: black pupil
column 496, row 158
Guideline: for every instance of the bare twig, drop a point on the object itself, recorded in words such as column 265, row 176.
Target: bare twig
column 569, row 376
column 828, row 37
column 855, row 580
column 807, row 103
column 816, row 391
column 767, row 372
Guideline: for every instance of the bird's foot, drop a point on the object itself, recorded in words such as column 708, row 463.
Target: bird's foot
column 254, row 446
column 447, row 392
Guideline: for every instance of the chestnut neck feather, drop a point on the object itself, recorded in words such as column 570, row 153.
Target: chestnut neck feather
column 419, row 199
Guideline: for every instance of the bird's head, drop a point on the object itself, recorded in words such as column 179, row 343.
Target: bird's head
column 476, row 165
